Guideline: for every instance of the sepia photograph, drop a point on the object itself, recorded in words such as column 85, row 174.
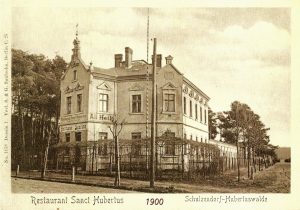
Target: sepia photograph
column 148, row 105
column 150, row 100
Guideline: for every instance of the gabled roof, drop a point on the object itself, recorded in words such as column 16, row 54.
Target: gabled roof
column 138, row 68
column 80, row 61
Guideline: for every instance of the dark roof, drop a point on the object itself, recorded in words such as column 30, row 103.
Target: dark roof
column 138, row 68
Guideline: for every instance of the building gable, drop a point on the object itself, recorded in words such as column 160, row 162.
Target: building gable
column 169, row 86
column 104, row 86
column 76, row 64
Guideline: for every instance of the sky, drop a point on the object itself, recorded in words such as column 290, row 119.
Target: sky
column 229, row 53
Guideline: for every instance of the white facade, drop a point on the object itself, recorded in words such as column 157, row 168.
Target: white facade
column 90, row 96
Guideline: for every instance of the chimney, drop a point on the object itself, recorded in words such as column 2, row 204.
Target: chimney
column 169, row 59
column 118, row 60
column 128, row 57
column 158, row 60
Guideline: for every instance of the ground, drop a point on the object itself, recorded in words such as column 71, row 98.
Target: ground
column 275, row 179
column 36, row 186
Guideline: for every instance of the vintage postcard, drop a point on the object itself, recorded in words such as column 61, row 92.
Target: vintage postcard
column 153, row 105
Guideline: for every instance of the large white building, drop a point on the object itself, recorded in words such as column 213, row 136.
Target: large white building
column 90, row 96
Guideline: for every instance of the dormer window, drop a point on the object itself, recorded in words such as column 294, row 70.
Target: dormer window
column 75, row 75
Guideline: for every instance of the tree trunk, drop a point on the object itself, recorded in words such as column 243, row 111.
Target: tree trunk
column 93, row 155
column 41, row 143
column 248, row 160
column 20, row 125
column 49, row 131
column 23, row 141
column 117, row 159
column 265, row 162
column 253, row 160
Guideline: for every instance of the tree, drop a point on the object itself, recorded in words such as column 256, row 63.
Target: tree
column 49, row 130
column 115, row 129
column 35, row 103
column 226, row 127
column 212, row 124
column 242, row 126
column 233, row 125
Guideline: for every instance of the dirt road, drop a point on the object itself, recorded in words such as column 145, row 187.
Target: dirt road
column 36, row 186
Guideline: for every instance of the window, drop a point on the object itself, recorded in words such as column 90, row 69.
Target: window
column 78, row 136
column 102, row 149
column 102, row 135
column 191, row 109
column 191, row 137
column 184, row 136
column 185, row 148
column 75, row 75
column 77, row 155
column 205, row 116
column 79, row 102
column 196, row 112
column 136, row 103
column 136, row 135
column 200, row 113
column 170, row 148
column 136, row 148
column 184, row 105
column 68, row 137
column 103, row 102
column 169, row 101
column 67, row 151
column 69, row 103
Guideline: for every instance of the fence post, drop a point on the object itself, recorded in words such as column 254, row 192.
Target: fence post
column 130, row 162
column 251, row 174
column 73, row 173
column 18, row 170
column 110, row 163
column 57, row 164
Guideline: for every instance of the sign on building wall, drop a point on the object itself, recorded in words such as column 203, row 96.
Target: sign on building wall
column 100, row 117
column 73, row 119
column 75, row 127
